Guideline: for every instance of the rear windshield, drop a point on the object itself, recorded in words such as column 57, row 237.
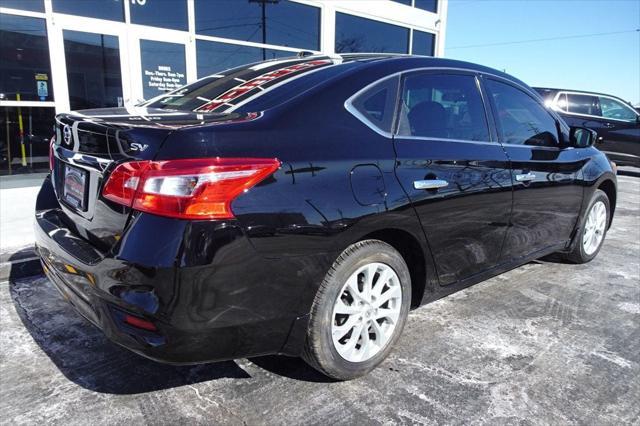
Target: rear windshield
column 238, row 86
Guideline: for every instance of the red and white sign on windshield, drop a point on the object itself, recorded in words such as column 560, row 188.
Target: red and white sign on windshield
column 258, row 83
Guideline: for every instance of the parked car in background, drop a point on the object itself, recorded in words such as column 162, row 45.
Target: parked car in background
column 616, row 122
column 303, row 206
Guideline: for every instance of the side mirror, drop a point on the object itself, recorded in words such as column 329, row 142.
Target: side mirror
column 581, row 137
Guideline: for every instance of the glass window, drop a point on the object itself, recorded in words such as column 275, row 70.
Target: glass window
column 355, row 34
column 617, row 110
column 283, row 23
column 583, row 104
column 218, row 93
column 561, row 103
column 161, row 13
column 32, row 5
column 442, row 106
column 112, row 9
column 429, row 5
column 521, row 119
column 35, row 133
column 423, row 43
column 407, row 2
column 378, row 104
column 213, row 57
column 25, row 69
column 163, row 67
column 93, row 70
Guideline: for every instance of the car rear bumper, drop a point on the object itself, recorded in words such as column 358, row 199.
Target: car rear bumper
column 213, row 301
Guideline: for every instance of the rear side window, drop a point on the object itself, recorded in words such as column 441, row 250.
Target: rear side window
column 582, row 104
column 447, row 106
column 376, row 105
column 521, row 119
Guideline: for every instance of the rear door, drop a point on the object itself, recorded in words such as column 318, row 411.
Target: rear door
column 453, row 170
column 620, row 130
column 546, row 175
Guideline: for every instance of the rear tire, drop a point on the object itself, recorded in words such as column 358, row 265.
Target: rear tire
column 359, row 311
column 592, row 230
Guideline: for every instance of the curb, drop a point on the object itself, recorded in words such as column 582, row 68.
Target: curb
column 19, row 263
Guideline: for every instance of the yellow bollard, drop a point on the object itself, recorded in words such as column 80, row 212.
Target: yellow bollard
column 21, row 130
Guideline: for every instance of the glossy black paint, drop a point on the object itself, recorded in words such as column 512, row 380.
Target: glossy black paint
column 619, row 139
column 242, row 287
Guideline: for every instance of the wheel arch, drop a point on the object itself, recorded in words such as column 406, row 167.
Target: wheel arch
column 415, row 254
column 609, row 187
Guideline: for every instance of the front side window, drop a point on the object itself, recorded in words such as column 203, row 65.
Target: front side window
column 356, row 34
column 616, row 110
column 582, row 104
column 521, row 119
column 447, row 106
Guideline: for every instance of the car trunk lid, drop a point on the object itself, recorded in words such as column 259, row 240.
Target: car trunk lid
column 90, row 144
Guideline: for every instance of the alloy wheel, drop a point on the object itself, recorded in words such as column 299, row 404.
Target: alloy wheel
column 594, row 228
column 366, row 312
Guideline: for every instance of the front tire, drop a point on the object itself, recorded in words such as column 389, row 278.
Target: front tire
column 359, row 311
column 593, row 230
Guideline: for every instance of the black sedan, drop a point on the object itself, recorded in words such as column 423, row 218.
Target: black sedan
column 304, row 206
column 616, row 122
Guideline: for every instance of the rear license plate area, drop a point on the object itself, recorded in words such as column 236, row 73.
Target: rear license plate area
column 74, row 191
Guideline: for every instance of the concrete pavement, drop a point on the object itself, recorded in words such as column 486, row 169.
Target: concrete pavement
column 546, row 343
column 17, row 203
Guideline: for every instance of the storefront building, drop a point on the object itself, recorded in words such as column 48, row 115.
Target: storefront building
column 62, row 55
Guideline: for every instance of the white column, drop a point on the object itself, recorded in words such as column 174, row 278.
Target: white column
column 58, row 64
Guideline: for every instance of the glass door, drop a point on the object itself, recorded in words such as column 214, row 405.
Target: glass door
column 26, row 94
column 94, row 76
column 92, row 60
column 161, row 60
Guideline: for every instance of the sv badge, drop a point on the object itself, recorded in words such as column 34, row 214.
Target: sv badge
column 138, row 146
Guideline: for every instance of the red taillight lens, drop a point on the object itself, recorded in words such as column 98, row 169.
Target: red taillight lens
column 51, row 142
column 123, row 182
column 140, row 323
column 186, row 189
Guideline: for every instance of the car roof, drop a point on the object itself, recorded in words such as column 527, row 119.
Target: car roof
column 407, row 62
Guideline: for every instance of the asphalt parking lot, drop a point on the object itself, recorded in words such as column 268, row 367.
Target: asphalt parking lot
column 545, row 343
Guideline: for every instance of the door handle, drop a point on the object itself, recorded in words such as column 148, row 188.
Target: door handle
column 430, row 184
column 526, row 177
column 609, row 125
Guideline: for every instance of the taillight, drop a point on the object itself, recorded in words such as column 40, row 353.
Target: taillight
column 51, row 142
column 186, row 189
column 140, row 323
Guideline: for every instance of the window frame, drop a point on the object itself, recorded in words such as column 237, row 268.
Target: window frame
column 595, row 95
column 488, row 109
column 536, row 98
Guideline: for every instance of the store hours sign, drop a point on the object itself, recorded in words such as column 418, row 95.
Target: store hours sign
column 163, row 67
